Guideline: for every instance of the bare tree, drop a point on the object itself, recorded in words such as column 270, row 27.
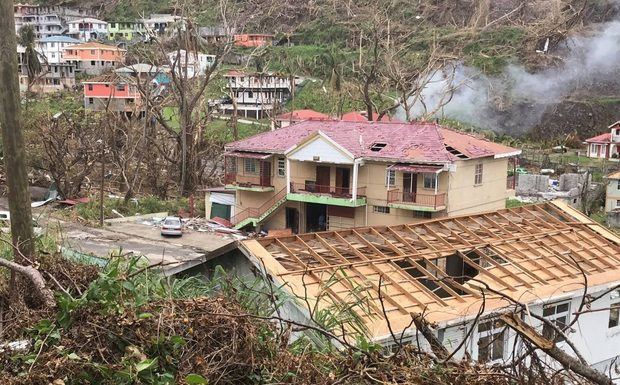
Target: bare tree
column 15, row 166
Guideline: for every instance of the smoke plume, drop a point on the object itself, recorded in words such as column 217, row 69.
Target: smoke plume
column 516, row 100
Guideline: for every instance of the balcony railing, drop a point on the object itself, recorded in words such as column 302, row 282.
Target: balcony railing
column 247, row 180
column 335, row 191
column 417, row 199
column 258, row 212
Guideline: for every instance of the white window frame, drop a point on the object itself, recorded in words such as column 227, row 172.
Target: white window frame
column 431, row 179
column 478, row 174
column 250, row 166
column 497, row 333
column 614, row 309
column 555, row 317
column 390, row 178
column 281, row 167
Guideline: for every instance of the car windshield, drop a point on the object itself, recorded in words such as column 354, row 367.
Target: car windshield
column 172, row 222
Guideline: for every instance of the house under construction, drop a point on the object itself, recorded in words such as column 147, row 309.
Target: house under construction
column 451, row 269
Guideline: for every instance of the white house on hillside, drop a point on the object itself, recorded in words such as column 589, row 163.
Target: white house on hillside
column 256, row 94
column 51, row 47
column 88, row 28
column 195, row 63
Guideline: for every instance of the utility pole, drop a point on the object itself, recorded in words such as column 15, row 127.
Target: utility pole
column 12, row 139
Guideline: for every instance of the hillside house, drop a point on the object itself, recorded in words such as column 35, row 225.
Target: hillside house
column 190, row 63
column 54, row 77
column 216, row 34
column 325, row 175
column 94, row 58
column 146, row 73
column 157, row 23
column 253, row 40
column 112, row 92
column 51, row 47
column 87, row 29
column 607, row 145
column 539, row 255
column 126, row 30
column 46, row 20
column 255, row 94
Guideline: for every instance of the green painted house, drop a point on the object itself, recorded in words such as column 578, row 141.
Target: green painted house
column 125, row 30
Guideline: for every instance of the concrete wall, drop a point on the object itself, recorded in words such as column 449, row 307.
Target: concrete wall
column 591, row 335
column 612, row 195
column 465, row 197
column 613, row 219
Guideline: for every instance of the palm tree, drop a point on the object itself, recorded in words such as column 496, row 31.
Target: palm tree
column 27, row 38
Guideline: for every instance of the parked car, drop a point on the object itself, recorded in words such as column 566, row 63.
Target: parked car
column 172, row 226
column 5, row 224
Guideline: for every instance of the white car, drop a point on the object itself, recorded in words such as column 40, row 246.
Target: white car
column 172, row 226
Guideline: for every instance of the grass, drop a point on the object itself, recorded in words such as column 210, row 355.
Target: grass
column 512, row 203
column 144, row 205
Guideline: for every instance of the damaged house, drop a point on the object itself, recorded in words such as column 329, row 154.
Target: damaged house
column 463, row 275
column 324, row 175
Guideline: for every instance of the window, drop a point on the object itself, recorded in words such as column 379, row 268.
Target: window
column 120, row 87
column 250, row 166
column 618, row 184
column 90, row 87
column 491, row 340
column 618, row 203
column 250, row 94
column 52, row 45
column 92, row 63
column 390, row 178
column 377, row 146
column 381, row 209
column 92, row 51
column 478, row 174
column 53, row 55
column 91, row 100
column 614, row 309
column 422, row 214
column 430, row 181
column 558, row 314
column 281, row 167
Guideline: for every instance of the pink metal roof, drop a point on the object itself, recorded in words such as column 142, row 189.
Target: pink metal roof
column 300, row 115
column 414, row 142
column 355, row 116
column 603, row 138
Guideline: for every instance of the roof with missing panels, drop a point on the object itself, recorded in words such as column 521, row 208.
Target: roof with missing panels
column 442, row 267
column 419, row 141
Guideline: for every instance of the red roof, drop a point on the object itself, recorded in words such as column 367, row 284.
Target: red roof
column 602, row 138
column 419, row 141
column 355, row 116
column 301, row 115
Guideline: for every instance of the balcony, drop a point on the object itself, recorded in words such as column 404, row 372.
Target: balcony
column 258, row 182
column 416, row 201
column 310, row 192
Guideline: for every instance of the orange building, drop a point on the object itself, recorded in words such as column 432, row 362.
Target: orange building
column 253, row 40
column 94, row 58
column 112, row 92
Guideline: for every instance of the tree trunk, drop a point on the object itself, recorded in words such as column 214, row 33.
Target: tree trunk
column 13, row 142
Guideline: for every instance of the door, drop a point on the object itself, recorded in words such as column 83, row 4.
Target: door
column 322, row 179
column 265, row 173
column 343, row 180
column 410, row 186
column 292, row 219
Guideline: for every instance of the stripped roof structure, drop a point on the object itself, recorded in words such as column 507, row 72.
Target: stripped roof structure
column 418, row 141
column 441, row 267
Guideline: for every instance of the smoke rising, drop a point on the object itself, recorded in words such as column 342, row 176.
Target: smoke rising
column 516, row 100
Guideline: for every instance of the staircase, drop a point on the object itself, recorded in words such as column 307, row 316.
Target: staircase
column 254, row 216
